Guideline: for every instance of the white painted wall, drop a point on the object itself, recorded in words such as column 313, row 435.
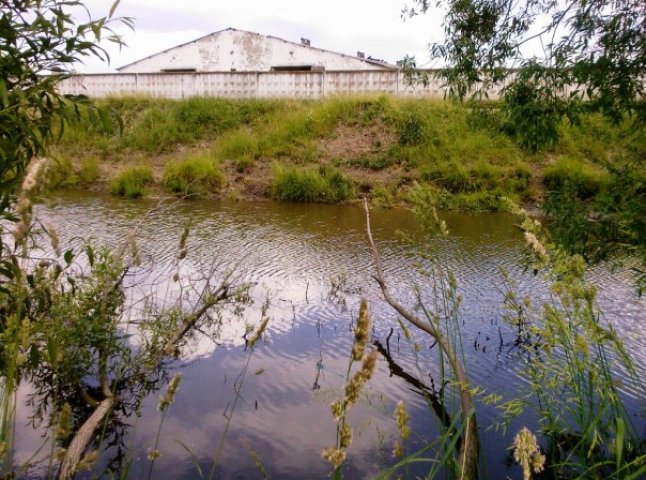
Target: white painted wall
column 252, row 84
column 242, row 51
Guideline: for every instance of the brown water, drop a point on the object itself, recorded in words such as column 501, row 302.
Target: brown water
column 292, row 253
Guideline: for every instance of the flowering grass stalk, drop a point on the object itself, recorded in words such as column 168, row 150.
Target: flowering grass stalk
column 165, row 402
column 569, row 360
column 256, row 335
column 354, row 384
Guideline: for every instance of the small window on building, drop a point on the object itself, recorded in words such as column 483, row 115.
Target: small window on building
column 179, row 70
column 297, row 68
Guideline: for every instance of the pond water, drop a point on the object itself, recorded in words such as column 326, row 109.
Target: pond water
column 296, row 256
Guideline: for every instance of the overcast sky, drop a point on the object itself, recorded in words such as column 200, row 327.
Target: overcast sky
column 347, row 26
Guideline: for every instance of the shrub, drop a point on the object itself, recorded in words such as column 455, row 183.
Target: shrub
column 326, row 185
column 61, row 173
column 88, row 171
column 235, row 145
column 193, row 176
column 411, row 130
column 131, row 182
column 584, row 180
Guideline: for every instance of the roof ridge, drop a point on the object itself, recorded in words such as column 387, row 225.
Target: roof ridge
column 365, row 60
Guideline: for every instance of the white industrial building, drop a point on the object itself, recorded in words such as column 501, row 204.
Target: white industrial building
column 233, row 50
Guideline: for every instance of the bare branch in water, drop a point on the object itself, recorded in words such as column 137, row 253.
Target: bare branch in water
column 469, row 449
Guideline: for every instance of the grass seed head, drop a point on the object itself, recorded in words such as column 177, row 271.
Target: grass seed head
column 338, row 410
column 334, row 455
column 153, row 454
column 402, row 418
column 169, row 397
column 32, row 177
column 356, row 383
column 362, row 332
column 527, row 453
column 346, row 436
column 88, row 460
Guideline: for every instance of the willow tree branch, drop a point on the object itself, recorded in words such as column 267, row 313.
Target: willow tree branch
column 189, row 322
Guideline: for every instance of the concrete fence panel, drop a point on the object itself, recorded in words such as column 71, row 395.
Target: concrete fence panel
column 252, row 84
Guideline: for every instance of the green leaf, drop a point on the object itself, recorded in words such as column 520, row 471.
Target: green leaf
column 52, row 351
column 113, row 8
column 4, row 94
column 621, row 433
column 638, row 474
column 90, row 255
column 68, row 257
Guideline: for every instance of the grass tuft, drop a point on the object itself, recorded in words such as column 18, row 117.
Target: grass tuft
column 60, row 173
column 89, row 171
column 584, row 179
column 196, row 175
column 131, row 182
column 325, row 184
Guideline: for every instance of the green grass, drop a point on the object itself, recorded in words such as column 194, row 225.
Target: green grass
column 478, row 176
column 586, row 180
column 131, row 182
column 453, row 149
column 158, row 125
column 325, row 185
column 196, row 175
column 60, row 173
column 89, row 171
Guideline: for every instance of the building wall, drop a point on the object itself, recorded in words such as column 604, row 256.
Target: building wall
column 251, row 84
column 235, row 50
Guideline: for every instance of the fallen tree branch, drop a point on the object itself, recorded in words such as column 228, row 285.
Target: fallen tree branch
column 419, row 387
column 82, row 439
column 469, row 450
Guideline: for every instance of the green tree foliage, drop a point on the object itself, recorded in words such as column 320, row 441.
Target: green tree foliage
column 39, row 43
column 40, row 40
column 592, row 50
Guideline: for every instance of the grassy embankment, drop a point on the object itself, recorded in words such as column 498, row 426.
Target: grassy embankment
column 326, row 151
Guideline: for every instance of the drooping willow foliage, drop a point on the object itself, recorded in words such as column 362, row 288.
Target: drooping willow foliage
column 595, row 48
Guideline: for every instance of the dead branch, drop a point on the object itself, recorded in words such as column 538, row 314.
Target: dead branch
column 419, row 387
column 82, row 438
column 84, row 435
column 189, row 322
column 468, row 453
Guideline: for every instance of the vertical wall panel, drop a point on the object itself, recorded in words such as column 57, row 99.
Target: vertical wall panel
column 253, row 84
